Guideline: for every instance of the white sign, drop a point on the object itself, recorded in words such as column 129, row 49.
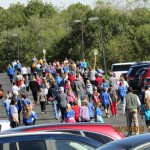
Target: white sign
column 44, row 51
column 95, row 52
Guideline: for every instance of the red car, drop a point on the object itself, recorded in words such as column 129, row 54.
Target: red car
column 102, row 133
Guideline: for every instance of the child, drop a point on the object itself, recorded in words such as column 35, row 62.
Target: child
column 84, row 111
column 71, row 96
column 145, row 110
column 114, row 102
column 69, row 114
column 22, row 87
column 6, row 104
column 105, row 84
column 98, row 113
column 67, row 86
column 91, row 108
column 76, row 109
column 89, row 89
column 42, row 99
column 29, row 117
column 96, row 96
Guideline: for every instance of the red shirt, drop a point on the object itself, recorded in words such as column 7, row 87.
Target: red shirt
column 71, row 78
column 77, row 112
column 98, row 81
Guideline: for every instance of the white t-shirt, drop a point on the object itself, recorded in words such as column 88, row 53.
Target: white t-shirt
column 23, row 70
column 15, row 89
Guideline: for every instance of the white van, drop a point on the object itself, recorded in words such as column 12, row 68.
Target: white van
column 121, row 68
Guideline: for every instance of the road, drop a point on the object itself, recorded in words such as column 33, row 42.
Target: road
column 119, row 122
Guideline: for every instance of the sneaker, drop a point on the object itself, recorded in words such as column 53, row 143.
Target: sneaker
column 43, row 112
column 108, row 116
column 116, row 115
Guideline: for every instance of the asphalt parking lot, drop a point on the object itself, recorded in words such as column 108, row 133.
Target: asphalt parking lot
column 118, row 122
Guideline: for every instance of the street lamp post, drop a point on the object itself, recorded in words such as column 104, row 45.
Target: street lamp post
column 82, row 38
column 16, row 35
column 101, row 39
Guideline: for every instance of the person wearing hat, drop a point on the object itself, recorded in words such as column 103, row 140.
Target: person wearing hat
column 62, row 100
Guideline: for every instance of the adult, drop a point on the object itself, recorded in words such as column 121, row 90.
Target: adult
column 15, row 88
column 122, row 90
column 91, row 75
column 99, row 71
column 52, row 95
column 24, row 71
column 113, row 82
column 34, row 88
column 106, row 100
column 98, row 80
column 79, row 86
column 10, row 73
column 62, row 100
column 132, row 112
column 13, row 114
column 84, row 64
column 19, row 78
column 18, row 66
column 72, row 68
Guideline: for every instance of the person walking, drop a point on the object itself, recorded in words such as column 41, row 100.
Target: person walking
column 89, row 89
column 29, row 117
column 131, row 106
column 106, row 101
column 76, row 109
column 62, row 102
column 42, row 99
column 122, row 90
column 13, row 114
column 79, row 86
column 52, row 96
column 34, row 88
column 10, row 73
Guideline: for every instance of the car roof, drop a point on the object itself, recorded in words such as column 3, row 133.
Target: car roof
column 126, row 63
column 131, row 141
column 101, row 128
column 63, row 125
column 15, row 137
column 143, row 64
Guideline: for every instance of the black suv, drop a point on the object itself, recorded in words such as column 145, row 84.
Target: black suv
column 134, row 72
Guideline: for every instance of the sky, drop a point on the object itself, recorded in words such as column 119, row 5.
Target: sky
column 59, row 3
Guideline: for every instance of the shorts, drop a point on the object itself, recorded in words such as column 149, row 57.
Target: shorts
column 147, row 123
column 106, row 106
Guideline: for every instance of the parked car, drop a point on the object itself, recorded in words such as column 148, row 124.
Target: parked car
column 46, row 141
column 134, row 72
column 144, row 75
column 137, row 142
column 120, row 68
column 4, row 125
column 102, row 133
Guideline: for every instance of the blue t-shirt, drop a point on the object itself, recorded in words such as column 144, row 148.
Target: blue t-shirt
column 65, row 68
column 18, row 106
column 90, row 107
column 98, row 112
column 105, row 85
column 146, row 112
column 6, row 104
column 26, row 102
column 31, row 118
column 105, row 98
column 122, row 91
column 84, row 65
column 69, row 114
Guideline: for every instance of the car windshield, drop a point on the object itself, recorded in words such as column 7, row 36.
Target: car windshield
column 121, row 67
column 115, row 147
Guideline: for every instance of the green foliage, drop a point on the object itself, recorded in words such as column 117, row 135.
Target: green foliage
column 38, row 26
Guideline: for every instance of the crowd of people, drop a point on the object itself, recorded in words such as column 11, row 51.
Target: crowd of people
column 76, row 90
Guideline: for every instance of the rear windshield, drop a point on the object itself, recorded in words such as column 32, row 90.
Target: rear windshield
column 121, row 67
column 135, row 69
